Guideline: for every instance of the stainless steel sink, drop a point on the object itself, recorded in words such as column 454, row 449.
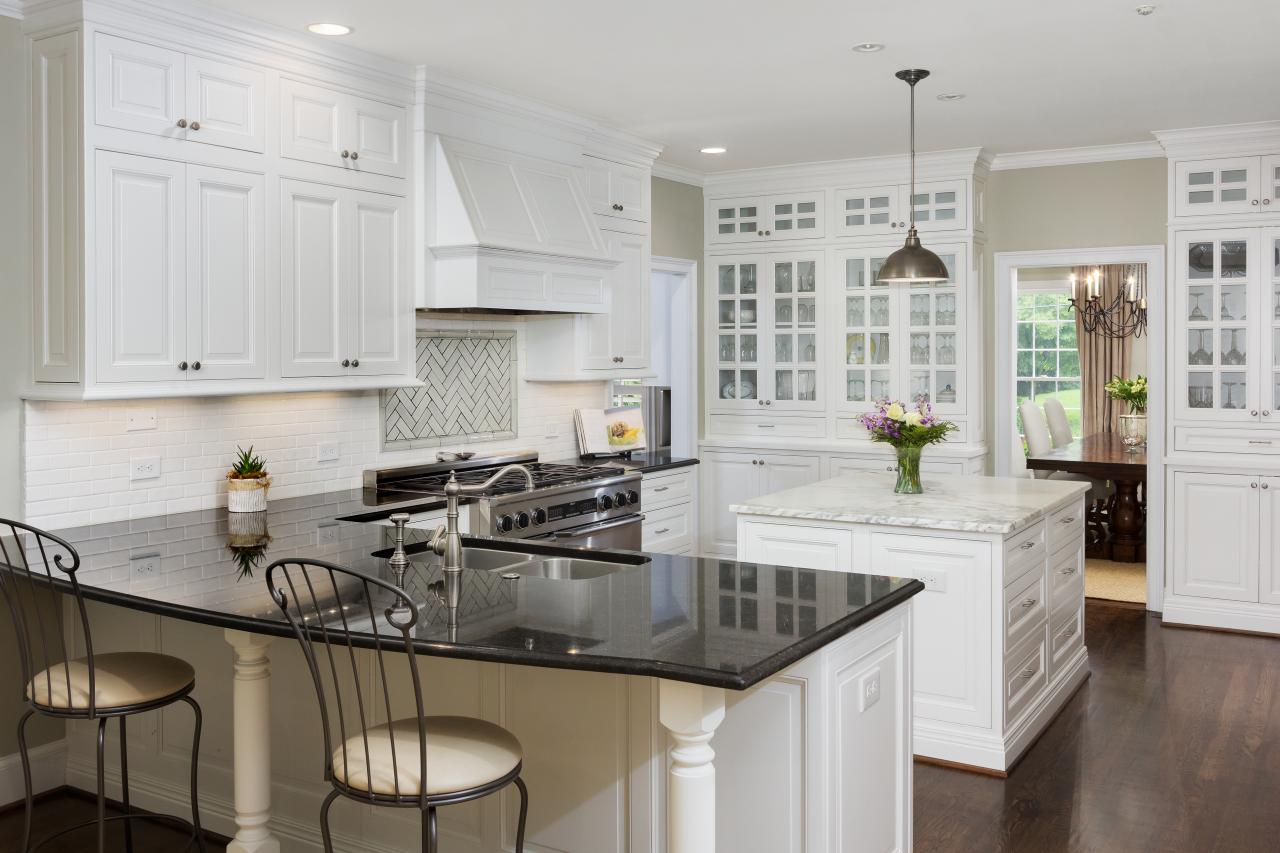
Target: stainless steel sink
column 487, row 560
column 560, row 568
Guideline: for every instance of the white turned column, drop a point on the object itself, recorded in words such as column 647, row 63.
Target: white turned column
column 251, row 702
column 691, row 714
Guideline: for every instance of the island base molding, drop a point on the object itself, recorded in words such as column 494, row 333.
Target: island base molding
column 1234, row 617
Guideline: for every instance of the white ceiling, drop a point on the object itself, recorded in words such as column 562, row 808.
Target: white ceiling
column 775, row 81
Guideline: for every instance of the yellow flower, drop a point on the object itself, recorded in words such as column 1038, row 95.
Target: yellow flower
column 913, row 418
column 896, row 412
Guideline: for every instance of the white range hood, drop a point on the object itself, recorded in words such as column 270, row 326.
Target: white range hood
column 512, row 233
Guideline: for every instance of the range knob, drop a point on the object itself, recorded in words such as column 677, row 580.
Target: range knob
column 633, row 497
column 605, row 503
column 621, row 499
column 539, row 516
column 505, row 523
column 522, row 520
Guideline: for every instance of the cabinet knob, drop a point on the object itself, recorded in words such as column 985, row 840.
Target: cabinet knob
column 345, row 154
column 767, row 233
column 902, row 225
column 182, row 122
column 1253, row 412
column 355, row 362
column 1266, row 413
column 1254, row 202
column 195, row 365
column 759, row 402
column 1266, row 201
column 768, row 402
column 195, row 125
column 346, row 362
column 893, row 225
column 182, row 365
column 1265, row 486
column 759, row 233
column 355, row 155
column 1253, row 485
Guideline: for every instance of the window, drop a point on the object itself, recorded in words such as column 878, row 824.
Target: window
column 1048, row 359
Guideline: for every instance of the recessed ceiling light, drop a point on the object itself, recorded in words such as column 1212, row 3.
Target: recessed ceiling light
column 951, row 96
column 714, row 149
column 329, row 29
column 1145, row 9
column 868, row 47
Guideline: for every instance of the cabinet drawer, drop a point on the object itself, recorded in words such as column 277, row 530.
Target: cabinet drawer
column 1066, row 527
column 1026, row 674
column 1066, row 576
column 1066, row 636
column 1025, row 607
column 763, row 426
column 659, row 490
column 1023, row 551
column 668, row 530
column 1206, row 439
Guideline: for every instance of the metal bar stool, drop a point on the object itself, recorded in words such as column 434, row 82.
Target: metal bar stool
column 98, row 686
column 340, row 617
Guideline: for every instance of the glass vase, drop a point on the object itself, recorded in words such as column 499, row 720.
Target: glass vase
column 1133, row 431
column 908, row 472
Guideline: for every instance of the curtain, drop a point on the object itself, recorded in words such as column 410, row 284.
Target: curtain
column 1103, row 358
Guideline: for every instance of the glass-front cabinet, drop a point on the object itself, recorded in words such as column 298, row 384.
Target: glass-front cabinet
column 767, row 218
column 939, row 205
column 1222, row 186
column 867, row 211
column 767, row 332
column 900, row 341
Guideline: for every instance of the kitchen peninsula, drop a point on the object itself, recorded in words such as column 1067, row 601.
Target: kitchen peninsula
column 798, row 679
column 999, row 630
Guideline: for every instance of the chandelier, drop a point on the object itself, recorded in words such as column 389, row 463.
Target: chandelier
column 1124, row 316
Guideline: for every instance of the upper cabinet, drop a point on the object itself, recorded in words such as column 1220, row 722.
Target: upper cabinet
column 617, row 189
column 767, row 218
column 876, row 210
column 164, row 92
column 1224, row 186
column 333, row 128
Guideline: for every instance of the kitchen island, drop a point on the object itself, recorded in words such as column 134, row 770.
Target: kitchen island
column 664, row 702
column 999, row 631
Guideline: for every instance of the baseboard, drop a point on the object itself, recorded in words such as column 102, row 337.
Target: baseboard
column 1244, row 616
column 48, row 771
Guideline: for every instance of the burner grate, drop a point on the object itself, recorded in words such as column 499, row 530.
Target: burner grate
column 545, row 474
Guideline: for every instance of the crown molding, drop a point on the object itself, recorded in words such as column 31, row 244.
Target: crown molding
column 614, row 144
column 1223, row 139
column 11, row 9
column 680, row 174
column 894, row 168
column 1076, row 156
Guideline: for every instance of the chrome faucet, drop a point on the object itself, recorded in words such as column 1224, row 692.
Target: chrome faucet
column 447, row 541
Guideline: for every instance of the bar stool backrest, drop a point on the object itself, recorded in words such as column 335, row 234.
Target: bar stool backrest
column 334, row 612
column 28, row 559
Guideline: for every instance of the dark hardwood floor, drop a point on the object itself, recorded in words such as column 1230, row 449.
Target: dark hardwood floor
column 66, row 806
column 1172, row 745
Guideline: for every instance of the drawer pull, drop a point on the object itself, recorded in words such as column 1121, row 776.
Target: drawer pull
column 1259, row 441
column 1030, row 602
column 1027, row 673
column 1070, row 631
column 1028, row 545
column 1070, row 520
column 660, row 489
column 1069, row 570
column 662, row 531
column 765, row 426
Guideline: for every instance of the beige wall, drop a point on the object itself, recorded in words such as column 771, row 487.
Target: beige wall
column 1119, row 203
column 14, row 338
column 677, row 233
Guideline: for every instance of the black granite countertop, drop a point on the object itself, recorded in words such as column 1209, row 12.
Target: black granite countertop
column 644, row 461
column 707, row 621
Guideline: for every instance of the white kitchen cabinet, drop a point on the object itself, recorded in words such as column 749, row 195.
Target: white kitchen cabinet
column 1220, row 186
column 799, row 546
column 1216, row 535
column 731, row 476
column 886, row 209
column 1269, row 547
column 618, row 189
column 939, row 206
column 769, row 218
column 161, row 91
column 867, row 211
column 341, row 281
column 322, row 125
column 1271, row 184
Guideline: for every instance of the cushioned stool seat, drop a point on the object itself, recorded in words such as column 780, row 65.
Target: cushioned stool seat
column 462, row 754
column 121, row 680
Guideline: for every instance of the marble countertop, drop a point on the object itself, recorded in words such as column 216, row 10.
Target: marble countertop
column 963, row 502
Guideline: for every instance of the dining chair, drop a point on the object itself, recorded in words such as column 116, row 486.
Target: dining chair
column 96, row 686
column 352, row 627
column 1036, row 433
column 1059, row 426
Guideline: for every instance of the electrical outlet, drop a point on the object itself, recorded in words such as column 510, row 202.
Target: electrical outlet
column 327, row 534
column 144, row 565
column 327, row 451
column 139, row 419
column 869, row 689
column 934, row 581
column 144, row 468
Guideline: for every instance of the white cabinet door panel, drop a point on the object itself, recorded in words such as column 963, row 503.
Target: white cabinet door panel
column 375, row 135
column 826, row 548
column 138, row 86
column 1215, row 535
column 312, row 334
column 376, row 307
column 788, row 472
column 140, row 293
column 1269, row 556
column 310, row 123
column 727, row 479
column 622, row 333
column 229, row 103
column 226, row 273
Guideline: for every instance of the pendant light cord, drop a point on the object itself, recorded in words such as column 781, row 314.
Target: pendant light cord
column 911, row 201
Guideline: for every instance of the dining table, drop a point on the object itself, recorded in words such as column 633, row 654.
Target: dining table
column 1105, row 456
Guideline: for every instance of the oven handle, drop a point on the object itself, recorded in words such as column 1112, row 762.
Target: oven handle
column 588, row 529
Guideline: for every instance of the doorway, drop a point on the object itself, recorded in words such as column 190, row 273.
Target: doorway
column 1038, row 362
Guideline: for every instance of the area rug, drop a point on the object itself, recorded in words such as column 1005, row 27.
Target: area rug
column 1115, row 581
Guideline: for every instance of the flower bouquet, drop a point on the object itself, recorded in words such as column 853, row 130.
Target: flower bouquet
column 1133, row 426
column 909, row 431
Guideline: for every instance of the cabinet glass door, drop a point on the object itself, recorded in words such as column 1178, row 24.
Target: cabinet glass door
column 738, row 308
column 1217, row 277
column 799, row 216
column 939, row 206
column 933, row 340
column 794, row 333
column 867, row 331
column 736, row 221
column 1271, row 297
column 866, row 210
column 1271, row 184
column 1211, row 187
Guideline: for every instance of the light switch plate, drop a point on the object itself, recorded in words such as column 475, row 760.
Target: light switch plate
column 144, row 565
column 869, row 689
column 327, row 451
column 553, row 430
column 139, row 419
column 144, row 468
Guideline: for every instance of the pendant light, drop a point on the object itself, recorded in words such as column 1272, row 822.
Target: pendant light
column 913, row 262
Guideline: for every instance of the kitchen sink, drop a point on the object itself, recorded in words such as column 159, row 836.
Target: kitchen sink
column 560, row 568
column 489, row 560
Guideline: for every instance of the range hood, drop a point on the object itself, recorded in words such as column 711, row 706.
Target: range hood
column 513, row 234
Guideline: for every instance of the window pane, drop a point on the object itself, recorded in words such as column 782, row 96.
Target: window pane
column 1025, row 363
column 1026, row 306
column 1026, row 334
column 1046, row 363
column 1067, row 336
column 1069, row 363
column 1046, row 335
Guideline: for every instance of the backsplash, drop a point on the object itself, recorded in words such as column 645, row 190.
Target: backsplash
column 470, row 392
column 76, row 456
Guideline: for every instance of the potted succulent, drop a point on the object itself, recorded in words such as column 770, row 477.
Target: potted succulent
column 1133, row 426
column 909, row 431
column 247, row 483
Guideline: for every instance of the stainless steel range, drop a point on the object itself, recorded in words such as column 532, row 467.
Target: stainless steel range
column 575, row 505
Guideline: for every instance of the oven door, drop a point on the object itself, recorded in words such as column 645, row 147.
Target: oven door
column 624, row 533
